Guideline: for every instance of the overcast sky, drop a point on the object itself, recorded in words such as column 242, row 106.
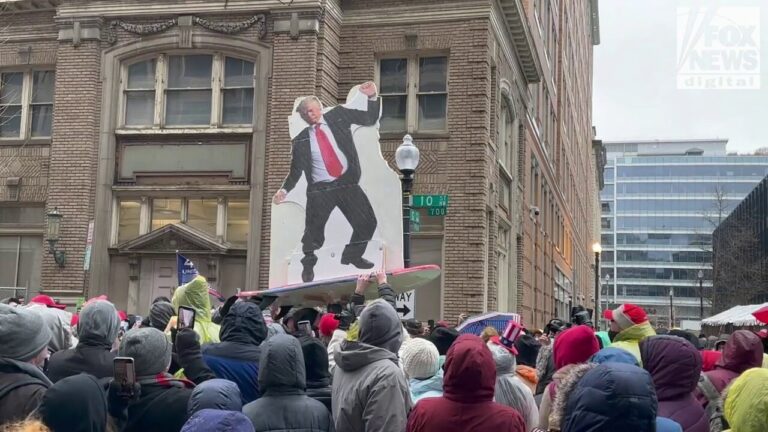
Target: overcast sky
column 636, row 94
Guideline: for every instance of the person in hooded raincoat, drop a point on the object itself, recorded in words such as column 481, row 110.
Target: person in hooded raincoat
column 675, row 366
column 218, row 394
column 746, row 402
column 97, row 330
column 370, row 391
column 318, row 376
column 467, row 402
column 608, row 397
column 236, row 357
column 75, row 404
column 284, row 404
column 212, row 420
column 194, row 294
column 742, row 351
column 510, row 390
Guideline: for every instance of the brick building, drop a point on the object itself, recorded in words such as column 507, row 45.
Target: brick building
column 164, row 123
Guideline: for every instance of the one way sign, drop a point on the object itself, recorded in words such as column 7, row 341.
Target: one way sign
column 405, row 305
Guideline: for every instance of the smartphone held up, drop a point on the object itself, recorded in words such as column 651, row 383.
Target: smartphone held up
column 186, row 317
column 125, row 375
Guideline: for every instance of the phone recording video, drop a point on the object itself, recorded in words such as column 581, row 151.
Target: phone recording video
column 125, row 375
column 186, row 317
column 305, row 328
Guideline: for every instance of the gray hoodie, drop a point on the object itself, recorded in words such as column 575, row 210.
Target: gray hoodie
column 370, row 392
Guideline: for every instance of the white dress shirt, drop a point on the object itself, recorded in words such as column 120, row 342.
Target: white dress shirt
column 319, row 173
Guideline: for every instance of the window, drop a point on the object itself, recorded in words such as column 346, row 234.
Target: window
column 165, row 212
column 414, row 92
column 129, row 213
column 502, row 257
column 237, row 222
column 507, row 140
column 26, row 104
column 505, row 191
column 21, row 252
column 20, row 261
column 201, row 214
column 200, row 90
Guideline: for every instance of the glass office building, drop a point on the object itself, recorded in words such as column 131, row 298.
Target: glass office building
column 661, row 202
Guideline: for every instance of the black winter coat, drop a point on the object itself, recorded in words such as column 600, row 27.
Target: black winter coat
column 158, row 409
column 22, row 387
column 93, row 360
column 284, row 406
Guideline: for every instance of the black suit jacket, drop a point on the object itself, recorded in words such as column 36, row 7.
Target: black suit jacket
column 340, row 121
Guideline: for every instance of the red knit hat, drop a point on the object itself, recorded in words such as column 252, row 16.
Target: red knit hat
column 575, row 345
column 328, row 324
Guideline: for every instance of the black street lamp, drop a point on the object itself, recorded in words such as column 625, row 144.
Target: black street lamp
column 407, row 159
column 671, row 308
column 597, row 249
column 701, row 295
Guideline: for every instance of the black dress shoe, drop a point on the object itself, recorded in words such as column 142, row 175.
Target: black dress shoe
column 360, row 262
column 308, row 274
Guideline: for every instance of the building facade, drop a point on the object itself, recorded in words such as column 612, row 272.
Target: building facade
column 160, row 126
column 661, row 202
column 740, row 258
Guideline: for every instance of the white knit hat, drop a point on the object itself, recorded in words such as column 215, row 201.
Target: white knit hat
column 420, row 358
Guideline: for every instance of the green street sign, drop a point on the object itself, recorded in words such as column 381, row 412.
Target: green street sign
column 430, row 201
column 437, row 211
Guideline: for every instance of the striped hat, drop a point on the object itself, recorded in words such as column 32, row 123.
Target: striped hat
column 626, row 315
column 508, row 337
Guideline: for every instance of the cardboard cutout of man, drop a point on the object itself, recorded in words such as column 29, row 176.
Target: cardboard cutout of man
column 325, row 153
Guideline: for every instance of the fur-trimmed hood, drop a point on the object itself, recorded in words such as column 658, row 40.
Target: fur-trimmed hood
column 564, row 388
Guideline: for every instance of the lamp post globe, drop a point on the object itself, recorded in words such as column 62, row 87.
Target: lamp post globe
column 407, row 156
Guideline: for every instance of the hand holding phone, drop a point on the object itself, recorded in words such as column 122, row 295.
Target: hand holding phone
column 186, row 317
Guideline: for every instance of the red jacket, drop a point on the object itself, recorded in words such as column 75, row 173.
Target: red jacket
column 467, row 401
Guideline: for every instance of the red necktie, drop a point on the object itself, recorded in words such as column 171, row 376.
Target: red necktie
column 332, row 162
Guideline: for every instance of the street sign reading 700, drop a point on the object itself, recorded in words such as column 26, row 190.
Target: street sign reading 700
column 430, row 201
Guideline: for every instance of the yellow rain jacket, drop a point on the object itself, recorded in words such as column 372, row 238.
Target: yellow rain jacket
column 194, row 294
column 746, row 404
column 629, row 339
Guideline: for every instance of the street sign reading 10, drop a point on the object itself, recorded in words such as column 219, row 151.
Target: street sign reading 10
column 430, row 202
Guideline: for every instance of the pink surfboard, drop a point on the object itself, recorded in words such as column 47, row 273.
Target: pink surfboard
column 340, row 289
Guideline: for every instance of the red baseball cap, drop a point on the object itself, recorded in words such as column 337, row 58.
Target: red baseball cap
column 49, row 302
column 626, row 315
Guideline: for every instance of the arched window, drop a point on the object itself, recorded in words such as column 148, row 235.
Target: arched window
column 209, row 90
column 506, row 139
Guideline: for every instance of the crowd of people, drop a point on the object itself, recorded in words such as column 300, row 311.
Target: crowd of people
column 249, row 366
